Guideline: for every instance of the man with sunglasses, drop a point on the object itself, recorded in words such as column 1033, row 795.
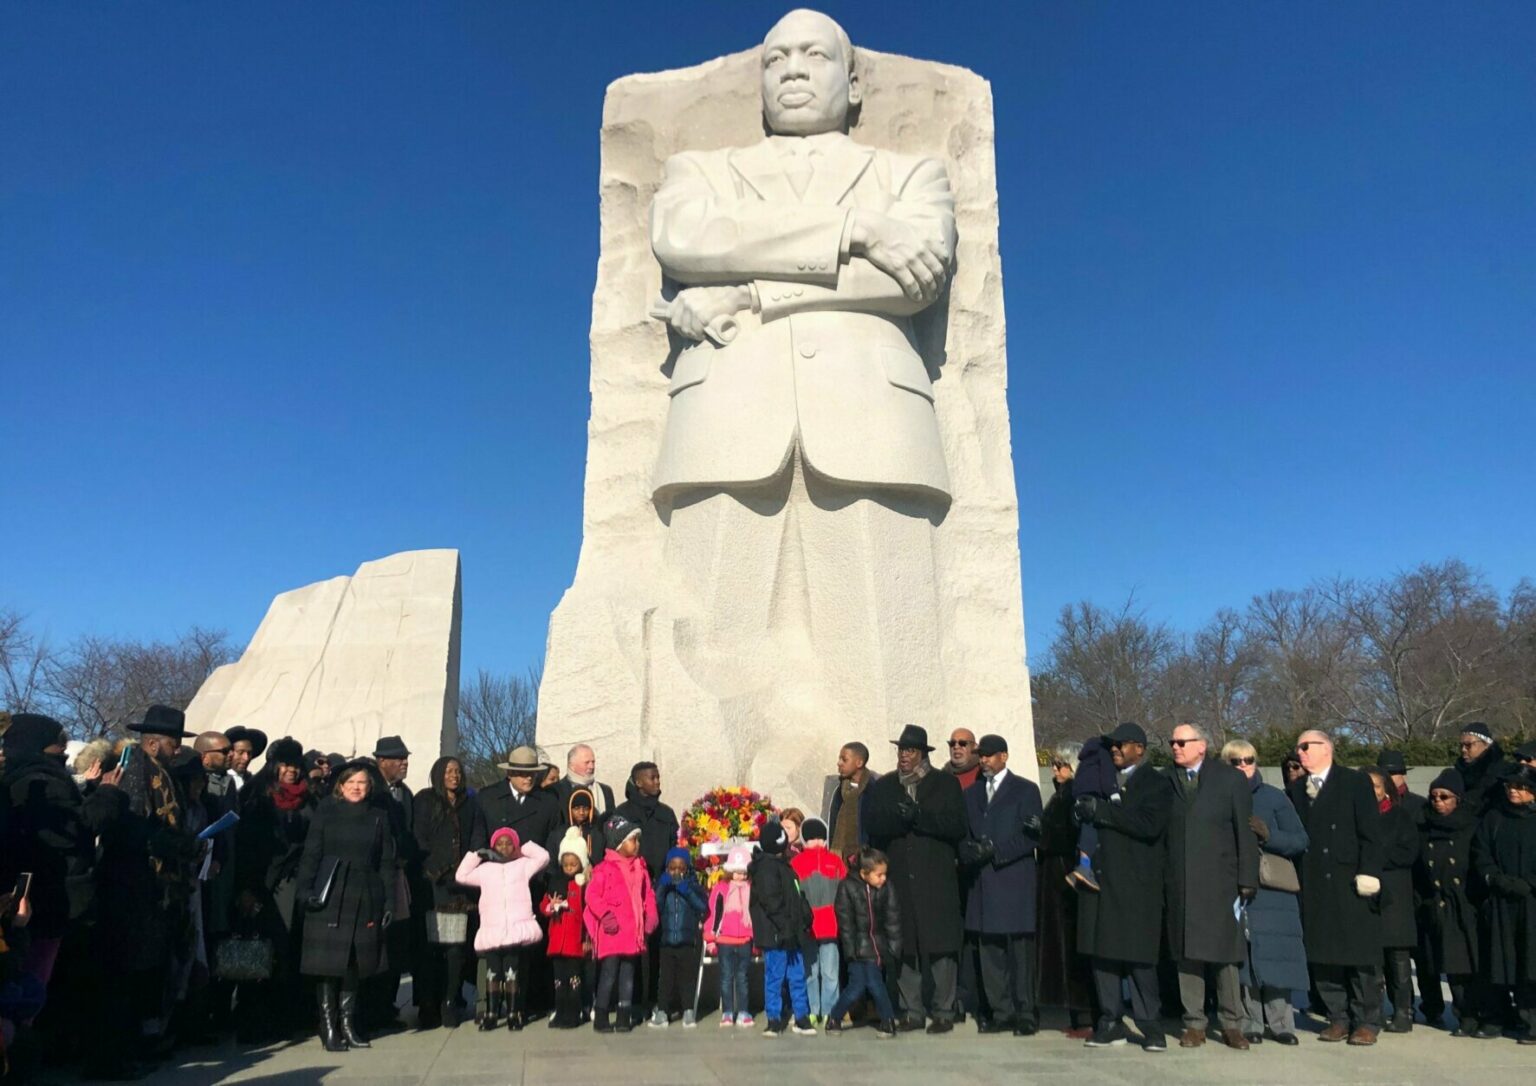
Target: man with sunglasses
column 1340, row 875
column 1213, row 862
column 964, row 762
column 1121, row 926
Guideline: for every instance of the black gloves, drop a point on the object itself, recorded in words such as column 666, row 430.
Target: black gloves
column 1086, row 810
column 975, row 851
column 1032, row 825
column 906, row 807
column 1509, row 886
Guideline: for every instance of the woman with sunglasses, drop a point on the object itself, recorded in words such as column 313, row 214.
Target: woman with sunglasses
column 1277, row 959
column 1447, row 918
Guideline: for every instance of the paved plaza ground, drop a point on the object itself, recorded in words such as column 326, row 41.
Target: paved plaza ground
column 708, row 1054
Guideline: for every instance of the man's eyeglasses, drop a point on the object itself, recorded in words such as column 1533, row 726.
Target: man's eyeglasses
column 960, row 742
column 1182, row 742
column 1468, row 744
column 1309, row 744
column 1242, row 761
column 1443, row 797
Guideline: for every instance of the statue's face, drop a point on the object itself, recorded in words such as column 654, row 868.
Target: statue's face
column 807, row 87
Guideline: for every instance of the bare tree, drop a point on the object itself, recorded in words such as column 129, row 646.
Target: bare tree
column 1211, row 682
column 98, row 685
column 23, row 665
column 496, row 713
column 1307, row 660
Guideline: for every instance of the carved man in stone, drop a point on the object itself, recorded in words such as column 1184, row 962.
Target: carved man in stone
column 802, row 471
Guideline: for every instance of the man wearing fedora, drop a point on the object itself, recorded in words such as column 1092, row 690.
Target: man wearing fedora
column 407, row 934
column 916, row 816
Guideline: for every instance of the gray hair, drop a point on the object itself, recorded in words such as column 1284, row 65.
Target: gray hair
column 570, row 755
column 1200, row 733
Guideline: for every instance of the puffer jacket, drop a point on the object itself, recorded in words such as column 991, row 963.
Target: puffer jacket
column 728, row 920
column 506, row 903
column 868, row 922
column 681, row 907
column 620, row 890
column 566, row 933
column 820, row 873
column 780, row 918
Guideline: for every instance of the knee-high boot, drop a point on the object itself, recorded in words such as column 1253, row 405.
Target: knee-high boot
column 326, row 1004
column 1400, row 990
column 349, row 1028
column 492, row 1014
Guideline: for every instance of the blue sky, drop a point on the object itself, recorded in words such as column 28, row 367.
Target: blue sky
column 284, row 287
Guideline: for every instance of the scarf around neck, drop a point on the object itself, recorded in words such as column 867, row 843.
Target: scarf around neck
column 910, row 781
column 290, row 797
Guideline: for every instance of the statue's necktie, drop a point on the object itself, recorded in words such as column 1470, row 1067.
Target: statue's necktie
column 798, row 168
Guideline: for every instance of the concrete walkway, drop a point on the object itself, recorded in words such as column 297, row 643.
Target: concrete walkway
column 540, row 1056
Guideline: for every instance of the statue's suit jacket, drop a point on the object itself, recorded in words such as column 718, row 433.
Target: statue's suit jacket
column 829, row 359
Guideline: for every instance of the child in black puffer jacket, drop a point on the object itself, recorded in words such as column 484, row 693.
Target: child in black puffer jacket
column 869, row 929
column 781, row 921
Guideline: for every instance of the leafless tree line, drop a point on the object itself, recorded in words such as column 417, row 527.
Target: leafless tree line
column 97, row 685
column 496, row 713
column 1403, row 659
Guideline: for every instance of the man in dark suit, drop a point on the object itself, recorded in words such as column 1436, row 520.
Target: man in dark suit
column 1120, row 926
column 1003, row 810
column 1340, row 875
column 1213, row 863
column 517, row 803
column 916, row 816
column 408, row 933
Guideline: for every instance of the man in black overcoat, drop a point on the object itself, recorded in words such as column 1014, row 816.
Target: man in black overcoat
column 1120, row 925
column 1340, row 885
column 1213, row 864
column 1004, row 811
column 408, row 934
column 916, row 816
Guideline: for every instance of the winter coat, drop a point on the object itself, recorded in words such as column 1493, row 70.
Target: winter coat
column 269, row 843
column 1344, row 834
column 566, row 932
column 922, row 857
column 602, row 797
column 506, row 902
column 1400, row 841
column 534, row 817
column 620, row 889
column 1277, row 957
column 858, row 786
column 1124, row 921
column 868, row 922
column 46, row 834
column 1211, row 853
column 1481, row 776
column 1001, row 900
column 728, row 920
column 680, row 908
column 781, row 920
column 1442, row 878
column 351, row 921
column 1095, row 774
column 820, row 873
column 443, row 835
column 658, row 828
column 1062, row 975
column 1505, row 844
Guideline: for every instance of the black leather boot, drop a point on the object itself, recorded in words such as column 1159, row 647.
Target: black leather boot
column 600, row 1023
column 325, row 999
column 492, row 1006
column 349, row 1030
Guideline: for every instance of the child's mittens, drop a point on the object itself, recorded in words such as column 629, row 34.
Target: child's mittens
column 610, row 925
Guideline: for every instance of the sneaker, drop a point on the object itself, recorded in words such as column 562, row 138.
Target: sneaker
column 834, row 1027
column 775, row 1028
column 658, row 1019
column 885, row 1031
column 726, row 1021
column 745, row 1021
column 1107, row 1037
column 1082, row 878
column 690, row 1020
column 1154, row 1042
column 803, row 1027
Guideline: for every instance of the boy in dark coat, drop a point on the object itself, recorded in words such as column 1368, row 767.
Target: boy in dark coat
column 869, row 931
column 781, row 921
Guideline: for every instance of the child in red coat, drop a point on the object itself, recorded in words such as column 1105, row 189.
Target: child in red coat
column 568, row 946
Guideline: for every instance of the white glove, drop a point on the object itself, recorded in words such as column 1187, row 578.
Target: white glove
column 1367, row 885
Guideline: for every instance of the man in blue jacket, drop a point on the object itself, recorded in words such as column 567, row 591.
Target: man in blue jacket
column 1004, row 814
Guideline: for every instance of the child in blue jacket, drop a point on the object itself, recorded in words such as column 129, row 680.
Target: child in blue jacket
column 680, row 908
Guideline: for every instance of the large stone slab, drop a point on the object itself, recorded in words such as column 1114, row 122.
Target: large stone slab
column 627, row 667
column 340, row 663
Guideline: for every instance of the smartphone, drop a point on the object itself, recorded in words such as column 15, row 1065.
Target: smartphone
column 23, row 884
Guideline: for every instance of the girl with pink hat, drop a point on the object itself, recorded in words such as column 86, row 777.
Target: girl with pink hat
column 507, row 924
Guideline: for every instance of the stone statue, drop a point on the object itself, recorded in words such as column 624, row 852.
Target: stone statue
column 810, row 568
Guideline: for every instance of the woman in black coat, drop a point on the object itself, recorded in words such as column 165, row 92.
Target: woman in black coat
column 1063, row 976
column 1504, row 860
column 348, row 876
column 275, row 812
column 446, row 820
column 1447, row 918
column 1399, row 929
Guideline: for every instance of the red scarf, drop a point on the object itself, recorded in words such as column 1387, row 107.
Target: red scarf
column 1385, row 805
column 289, row 797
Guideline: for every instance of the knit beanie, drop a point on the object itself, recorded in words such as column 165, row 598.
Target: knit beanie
column 29, row 733
column 678, row 853
column 574, row 844
column 619, row 829
column 1479, row 729
column 773, row 840
column 1449, row 781
column 740, row 859
column 507, row 832
column 814, row 829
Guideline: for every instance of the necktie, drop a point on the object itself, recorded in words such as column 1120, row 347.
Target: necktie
column 1189, row 775
column 1314, row 786
column 991, row 788
column 798, row 168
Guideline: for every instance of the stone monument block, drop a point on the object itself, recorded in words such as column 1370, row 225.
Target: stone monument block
column 339, row 663
column 800, row 522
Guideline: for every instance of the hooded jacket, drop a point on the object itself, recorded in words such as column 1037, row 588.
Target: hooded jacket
column 506, row 903
column 680, row 905
column 820, row 873
column 619, row 895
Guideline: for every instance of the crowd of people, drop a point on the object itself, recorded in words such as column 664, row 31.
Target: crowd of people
column 168, row 893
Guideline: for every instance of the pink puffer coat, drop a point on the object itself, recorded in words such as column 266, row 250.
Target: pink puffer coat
column 506, row 905
column 620, row 889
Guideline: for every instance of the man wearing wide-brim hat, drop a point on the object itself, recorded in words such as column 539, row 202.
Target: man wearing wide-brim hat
column 245, row 746
column 917, row 817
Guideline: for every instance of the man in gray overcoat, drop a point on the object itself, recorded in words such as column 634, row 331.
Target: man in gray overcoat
column 1212, row 874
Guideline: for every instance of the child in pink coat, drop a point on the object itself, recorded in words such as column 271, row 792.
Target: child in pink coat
column 507, row 924
column 620, row 913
